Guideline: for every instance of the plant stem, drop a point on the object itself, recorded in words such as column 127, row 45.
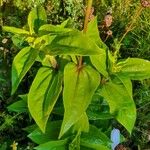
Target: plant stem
column 87, row 16
column 130, row 26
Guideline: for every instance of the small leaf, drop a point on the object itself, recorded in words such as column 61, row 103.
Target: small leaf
column 134, row 68
column 79, row 87
column 15, row 30
column 21, row 64
column 95, row 139
column 120, row 101
column 75, row 143
column 69, row 43
column 51, row 133
column 30, row 128
column 43, row 95
column 37, row 17
column 19, row 106
column 18, row 40
column 53, row 145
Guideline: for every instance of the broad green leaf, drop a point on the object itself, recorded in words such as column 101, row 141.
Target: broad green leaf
column 53, row 29
column 21, row 64
column 43, row 95
column 95, row 139
column 99, row 61
column 53, row 145
column 15, row 30
column 79, row 87
column 134, row 68
column 118, row 95
column 37, row 17
column 69, row 43
column 51, row 133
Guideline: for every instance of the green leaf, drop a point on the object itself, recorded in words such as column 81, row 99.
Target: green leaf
column 95, row 139
column 53, row 145
column 18, row 40
column 51, row 133
column 118, row 95
column 65, row 23
column 99, row 61
column 15, row 30
column 30, row 128
column 98, row 109
column 21, row 64
column 37, row 17
column 3, row 146
column 134, row 68
column 43, row 95
column 82, row 124
column 19, row 106
column 52, row 29
column 75, row 143
column 79, row 87
column 69, row 43
column 98, row 115
column 93, row 32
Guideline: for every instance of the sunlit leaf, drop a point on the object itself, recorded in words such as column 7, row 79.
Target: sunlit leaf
column 118, row 95
column 52, row 29
column 15, row 30
column 79, row 87
column 134, row 68
column 99, row 61
column 69, row 43
column 37, row 17
column 21, row 64
column 43, row 95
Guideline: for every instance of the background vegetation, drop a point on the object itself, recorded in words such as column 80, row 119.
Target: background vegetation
column 134, row 44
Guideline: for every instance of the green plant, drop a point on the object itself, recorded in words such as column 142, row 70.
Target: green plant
column 76, row 66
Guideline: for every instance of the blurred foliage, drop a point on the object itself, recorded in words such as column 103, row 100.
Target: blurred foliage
column 135, row 44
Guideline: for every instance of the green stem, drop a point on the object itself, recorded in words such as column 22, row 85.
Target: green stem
column 87, row 16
